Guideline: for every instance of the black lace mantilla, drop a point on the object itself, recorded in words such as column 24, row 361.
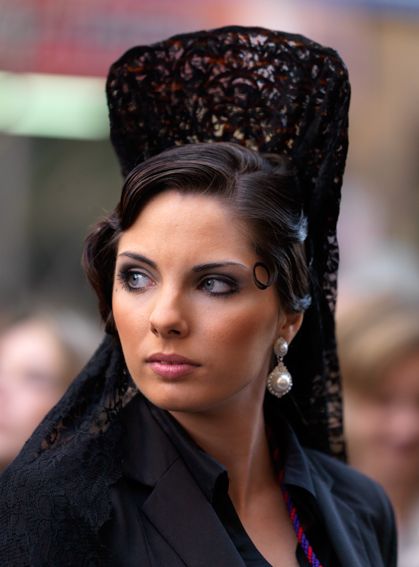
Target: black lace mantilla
column 273, row 92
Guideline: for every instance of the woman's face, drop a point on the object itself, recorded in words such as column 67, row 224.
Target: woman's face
column 383, row 426
column 196, row 332
column 32, row 366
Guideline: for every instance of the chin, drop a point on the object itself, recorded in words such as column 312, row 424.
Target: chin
column 178, row 402
column 168, row 398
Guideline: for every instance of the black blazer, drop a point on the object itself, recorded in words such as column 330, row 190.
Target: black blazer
column 162, row 518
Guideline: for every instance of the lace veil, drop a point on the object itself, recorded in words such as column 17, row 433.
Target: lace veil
column 276, row 93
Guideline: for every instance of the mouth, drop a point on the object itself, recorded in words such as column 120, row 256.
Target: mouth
column 171, row 366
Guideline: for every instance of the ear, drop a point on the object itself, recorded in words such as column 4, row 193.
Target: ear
column 289, row 325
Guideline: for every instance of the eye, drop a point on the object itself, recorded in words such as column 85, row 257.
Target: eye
column 134, row 280
column 218, row 286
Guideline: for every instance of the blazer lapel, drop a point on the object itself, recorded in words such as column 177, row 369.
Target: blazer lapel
column 176, row 506
column 180, row 512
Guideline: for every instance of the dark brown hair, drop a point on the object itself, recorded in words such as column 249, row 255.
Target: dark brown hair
column 262, row 191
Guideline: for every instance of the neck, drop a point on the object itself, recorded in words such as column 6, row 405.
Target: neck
column 236, row 438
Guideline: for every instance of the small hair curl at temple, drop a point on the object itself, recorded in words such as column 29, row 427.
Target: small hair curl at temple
column 270, row 277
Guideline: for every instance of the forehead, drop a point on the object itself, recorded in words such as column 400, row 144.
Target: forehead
column 189, row 225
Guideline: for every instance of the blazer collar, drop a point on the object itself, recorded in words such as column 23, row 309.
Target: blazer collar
column 341, row 523
column 205, row 469
column 186, row 519
column 147, row 428
column 176, row 506
column 147, row 451
column 153, row 440
column 181, row 511
column 298, row 471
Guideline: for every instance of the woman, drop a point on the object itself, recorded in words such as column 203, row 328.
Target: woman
column 379, row 353
column 40, row 353
column 166, row 451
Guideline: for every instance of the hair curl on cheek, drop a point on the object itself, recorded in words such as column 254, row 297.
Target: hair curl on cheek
column 261, row 268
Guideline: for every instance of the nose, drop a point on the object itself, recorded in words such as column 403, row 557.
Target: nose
column 168, row 318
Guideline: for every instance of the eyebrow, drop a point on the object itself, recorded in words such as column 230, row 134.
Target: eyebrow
column 197, row 269
column 215, row 265
column 139, row 258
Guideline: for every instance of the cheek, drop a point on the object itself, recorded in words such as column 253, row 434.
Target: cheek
column 129, row 315
column 124, row 320
column 132, row 327
column 246, row 333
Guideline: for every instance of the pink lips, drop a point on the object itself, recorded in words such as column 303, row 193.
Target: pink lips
column 171, row 365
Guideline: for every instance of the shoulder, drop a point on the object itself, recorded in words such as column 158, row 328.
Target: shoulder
column 348, row 483
column 356, row 496
column 52, row 508
column 39, row 523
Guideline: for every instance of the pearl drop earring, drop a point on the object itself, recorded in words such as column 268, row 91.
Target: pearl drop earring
column 279, row 381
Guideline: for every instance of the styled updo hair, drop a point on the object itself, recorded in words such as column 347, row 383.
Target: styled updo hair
column 261, row 191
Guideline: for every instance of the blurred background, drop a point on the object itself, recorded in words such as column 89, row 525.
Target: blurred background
column 59, row 174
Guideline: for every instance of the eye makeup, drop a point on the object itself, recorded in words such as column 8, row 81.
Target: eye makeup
column 135, row 280
column 134, row 275
column 219, row 285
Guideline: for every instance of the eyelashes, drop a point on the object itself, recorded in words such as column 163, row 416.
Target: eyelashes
column 219, row 285
column 134, row 280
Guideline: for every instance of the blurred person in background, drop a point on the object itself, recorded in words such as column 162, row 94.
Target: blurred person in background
column 379, row 354
column 40, row 353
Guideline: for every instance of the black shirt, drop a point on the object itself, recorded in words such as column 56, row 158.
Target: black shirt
column 212, row 479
